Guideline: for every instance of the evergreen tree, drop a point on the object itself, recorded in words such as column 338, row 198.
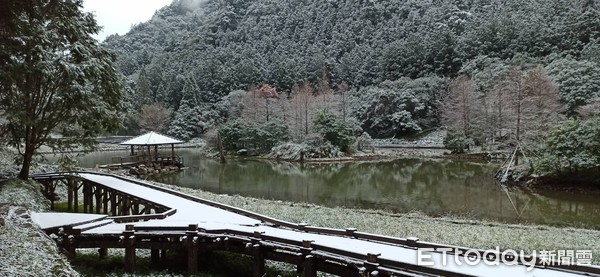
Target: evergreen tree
column 188, row 121
column 54, row 74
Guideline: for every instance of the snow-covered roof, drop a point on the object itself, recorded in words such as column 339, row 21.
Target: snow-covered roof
column 151, row 138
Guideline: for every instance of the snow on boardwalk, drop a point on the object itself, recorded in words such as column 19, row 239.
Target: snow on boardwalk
column 215, row 220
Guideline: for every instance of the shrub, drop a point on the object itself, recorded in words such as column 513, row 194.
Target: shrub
column 571, row 147
column 260, row 137
column 457, row 142
column 333, row 130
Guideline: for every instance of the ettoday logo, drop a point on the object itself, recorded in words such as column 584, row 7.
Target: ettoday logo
column 495, row 257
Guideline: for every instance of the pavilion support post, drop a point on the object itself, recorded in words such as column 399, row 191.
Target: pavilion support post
column 149, row 155
column 132, row 153
column 173, row 153
column 192, row 248
column 129, row 240
column 156, row 153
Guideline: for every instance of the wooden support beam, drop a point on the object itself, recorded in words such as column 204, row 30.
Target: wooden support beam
column 85, row 197
column 163, row 255
column 154, row 257
column 98, row 195
column 124, row 205
column 75, row 196
column 103, row 253
column 105, row 201
column 113, row 203
column 136, row 208
column 70, row 194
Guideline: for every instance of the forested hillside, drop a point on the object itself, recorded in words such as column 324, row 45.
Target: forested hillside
column 383, row 67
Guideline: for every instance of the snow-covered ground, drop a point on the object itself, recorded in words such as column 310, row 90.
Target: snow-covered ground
column 24, row 249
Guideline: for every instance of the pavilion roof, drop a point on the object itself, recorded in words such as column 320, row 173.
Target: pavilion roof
column 151, row 138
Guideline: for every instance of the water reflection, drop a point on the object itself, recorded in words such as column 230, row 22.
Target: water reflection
column 436, row 187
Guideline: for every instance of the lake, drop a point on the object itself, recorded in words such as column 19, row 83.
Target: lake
column 433, row 187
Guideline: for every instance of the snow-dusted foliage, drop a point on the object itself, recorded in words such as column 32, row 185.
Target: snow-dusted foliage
column 54, row 76
column 192, row 118
column 401, row 107
column 289, row 151
column 579, row 81
column 26, row 250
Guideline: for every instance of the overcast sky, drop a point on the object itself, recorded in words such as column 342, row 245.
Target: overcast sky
column 117, row 16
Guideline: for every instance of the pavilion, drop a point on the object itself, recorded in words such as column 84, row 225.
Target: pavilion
column 147, row 146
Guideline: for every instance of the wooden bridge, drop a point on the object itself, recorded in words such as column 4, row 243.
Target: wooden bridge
column 118, row 212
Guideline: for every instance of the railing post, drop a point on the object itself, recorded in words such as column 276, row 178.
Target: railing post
column 258, row 255
column 192, row 248
column 412, row 241
column 69, row 241
column 371, row 265
column 129, row 240
column 308, row 265
column 350, row 232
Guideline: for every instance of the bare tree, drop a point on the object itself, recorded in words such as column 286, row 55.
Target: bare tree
column 302, row 104
column 590, row 110
column 154, row 117
column 460, row 107
column 250, row 105
column 541, row 108
column 323, row 90
column 267, row 92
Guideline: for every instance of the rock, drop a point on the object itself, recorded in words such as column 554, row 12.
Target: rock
column 2, row 222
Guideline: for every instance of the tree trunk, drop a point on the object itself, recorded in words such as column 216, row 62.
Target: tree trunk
column 221, row 150
column 267, row 108
column 27, row 159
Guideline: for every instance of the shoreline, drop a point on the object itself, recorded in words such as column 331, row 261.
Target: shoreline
column 481, row 234
column 453, row 230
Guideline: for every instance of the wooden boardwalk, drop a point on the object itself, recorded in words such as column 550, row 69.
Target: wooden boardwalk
column 145, row 216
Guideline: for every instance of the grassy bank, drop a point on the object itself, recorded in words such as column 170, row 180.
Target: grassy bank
column 462, row 232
